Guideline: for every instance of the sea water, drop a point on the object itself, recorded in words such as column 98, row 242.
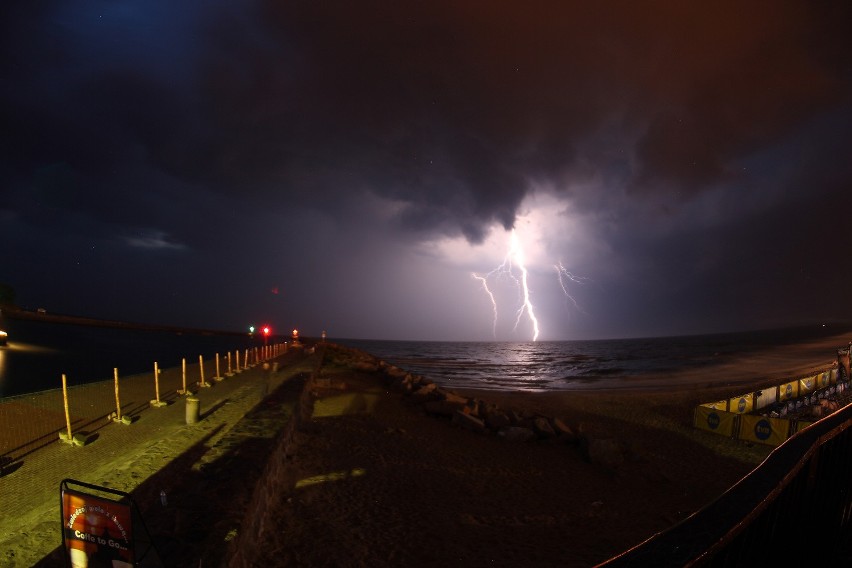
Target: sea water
column 39, row 353
column 563, row 365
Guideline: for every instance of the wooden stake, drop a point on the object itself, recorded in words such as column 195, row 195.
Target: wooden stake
column 157, row 382
column 65, row 400
column 203, row 383
column 117, row 401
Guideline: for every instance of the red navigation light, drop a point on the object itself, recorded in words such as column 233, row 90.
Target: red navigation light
column 266, row 330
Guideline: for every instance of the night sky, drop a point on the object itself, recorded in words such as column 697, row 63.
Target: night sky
column 349, row 166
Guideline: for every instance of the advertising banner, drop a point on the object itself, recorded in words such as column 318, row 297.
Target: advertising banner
column 741, row 404
column 788, row 391
column 764, row 430
column 823, row 380
column 716, row 421
column 719, row 405
column 807, row 385
column 96, row 531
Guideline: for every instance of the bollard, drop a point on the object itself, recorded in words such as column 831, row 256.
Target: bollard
column 193, row 410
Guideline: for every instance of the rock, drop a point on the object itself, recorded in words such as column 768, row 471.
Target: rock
column 602, row 451
column 469, row 422
column 521, row 420
column 542, row 428
column 497, row 420
column 395, row 372
column 471, row 407
column 366, row 366
column 516, row 434
column 441, row 407
column 452, row 397
column 563, row 431
column 425, row 389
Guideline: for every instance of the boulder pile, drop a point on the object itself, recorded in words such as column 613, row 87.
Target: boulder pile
column 477, row 415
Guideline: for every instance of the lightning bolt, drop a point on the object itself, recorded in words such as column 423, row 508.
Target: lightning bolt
column 484, row 281
column 513, row 258
column 563, row 275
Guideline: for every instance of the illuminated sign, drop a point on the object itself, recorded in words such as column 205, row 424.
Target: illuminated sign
column 96, row 531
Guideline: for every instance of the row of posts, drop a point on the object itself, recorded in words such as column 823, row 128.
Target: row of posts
column 250, row 358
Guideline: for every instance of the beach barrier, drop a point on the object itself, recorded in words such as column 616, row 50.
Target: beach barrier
column 716, row 420
column 773, row 414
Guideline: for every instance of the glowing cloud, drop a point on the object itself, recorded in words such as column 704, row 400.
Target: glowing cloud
column 521, row 281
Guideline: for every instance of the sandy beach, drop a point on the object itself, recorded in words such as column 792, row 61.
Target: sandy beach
column 373, row 479
column 376, row 481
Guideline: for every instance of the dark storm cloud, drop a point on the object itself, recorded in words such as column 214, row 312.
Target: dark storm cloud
column 452, row 108
column 154, row 126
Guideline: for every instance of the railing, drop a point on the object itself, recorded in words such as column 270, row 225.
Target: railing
column 794, row 509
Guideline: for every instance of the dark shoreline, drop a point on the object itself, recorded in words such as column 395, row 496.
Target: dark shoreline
column 21, row 314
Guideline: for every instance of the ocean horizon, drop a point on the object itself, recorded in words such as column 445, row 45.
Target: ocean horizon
column 40, row 352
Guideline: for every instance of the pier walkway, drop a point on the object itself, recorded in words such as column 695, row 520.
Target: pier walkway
column 207, row 469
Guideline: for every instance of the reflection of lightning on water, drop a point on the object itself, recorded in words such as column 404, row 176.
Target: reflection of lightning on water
column 562, row 274
column 515, row 257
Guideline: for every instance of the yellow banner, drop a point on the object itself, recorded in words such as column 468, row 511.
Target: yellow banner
column 807, row 385
column 788, row 391
column 716, row 421
column 741, row 404
column 824, row 380
column 764, row 430
column 720, row 405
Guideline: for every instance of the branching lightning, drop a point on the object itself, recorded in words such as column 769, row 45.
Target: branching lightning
column 562, row 274
column 515, row 270
column 513, row 258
